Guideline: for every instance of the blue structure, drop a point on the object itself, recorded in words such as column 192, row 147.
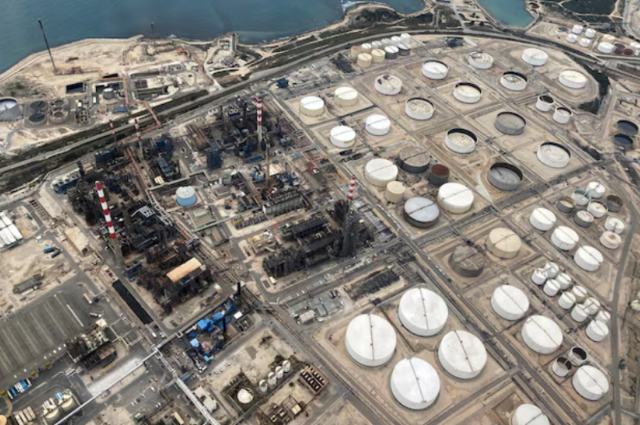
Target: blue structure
column 120, row 110
column 186, row 196
column 195, row 343
column 205, row 325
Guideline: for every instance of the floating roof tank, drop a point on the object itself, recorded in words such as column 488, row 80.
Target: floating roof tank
column 579, row 313
column 460, row 141
column 553, row 155
column 467, row 261
column 561, row 367
column 346, row 96
column 422, row 312
column 529, row 414
column 415, row 384
column 535, row 57
column 421, row 212
column 395, row 192
column 380, row 172
column 614, row 203
column 566, row 204
column 342, row 137
column 186, row 196
column 564, row 238
column 413, row 160
column 581, row 197
column 467, row 92
column 455, row 198
column 503, row 243
column 590, row 382
column 312, row 106
column 419, row 109
column 377, row 55
column 510, row 123
column 68, row 404
column 597, row 331
column 627, row 127
column 364, row 59
column 542, row 334
column 562, row 115
column 597, row 209
column 377, row 125
column 435, row 70
column 245, row 396
column 53, row 416
column 605, row 47
column 505, row 176
column 480, row 60
column 588, row 258
column 542, row 219
column 370, row 340
column 509, row 302
column 462, row 354
column 583, row 218
column 513, row 81
column 596, row 190
column 262, row 386
column 388, row 85
column 545, row 103
column 572, row 79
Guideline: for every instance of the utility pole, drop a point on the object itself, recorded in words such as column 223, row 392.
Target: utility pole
column 55, row 70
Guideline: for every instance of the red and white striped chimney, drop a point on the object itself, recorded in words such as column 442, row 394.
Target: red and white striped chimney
column 259, row 116
column 352, row 187
column 105, row 210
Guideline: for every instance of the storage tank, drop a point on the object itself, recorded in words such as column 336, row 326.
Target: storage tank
column 529, row 414
column 539, row 277
column 577, row 29
column 380, row 172
column 542, row 219
column 610, row 240
column 503, row 243
column 564, row 238
column 53, row 416
column 422, row 312
column 462, row 354
column 406, row 38
column 581, row 197
column 614, row 224
column 551, row 269
column 544, row 103
column 542, row 334
column 592, row 305
column 572, row 79
column 279, row 372
column 467, row 93
column 588, row 258
column 364, row 59
column 186, row 196
column 461, row 141
column 614, row 203
column 391, row 52
column 370, row 340
column 388, row 85
column 263, row 386
column 438, row 174
column 572, row 38
column 385, row 42
column 551, row 288
column 597, row 209
column 553, row 155
column 395, row 40
column 579, row 313
column 435, row 70
column 376, row 45
column 561, row 367
column 566, row 204
column 312, row 106
column 419, row 109
column 590, row 33
column 535, row 57
column 366, row 48
column 584, row 42
column 404, row 50
column 562, row 115
column 480, row 60
column 413, row 160
column 567, row 300
column 377, row 125
column 580, row 292
column 513, row 81
column 346, row 96
column 455, row 198
column 342, row 137
column 577, row 356
column 395, row 192
column 509, row 302
column 583, row 218
column 564, row 280
column 421, row 212
column 597, row 331
column 415, row 384
column 505, row 176
column 603, row 316
column 467, row 261
column 605, row 47
column 271, row 379
column 108, row 93
column 286, row 366
column 354, row 52
column 68, row 404
column 510, row 123
column 245, row 396
column 377, row 55
column 590, row 382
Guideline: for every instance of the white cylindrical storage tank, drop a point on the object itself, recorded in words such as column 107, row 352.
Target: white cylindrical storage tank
column 572, row 38
column 584, row 42
column 377, row 125
column 377, row 55
column 614, row 224
column 395, row 192
column 539, row 277
column 590, row 382
column 271, row 379
column 435, row 70
column 562, row 115
column 391, row 52
column 388, row 85
column 597, row 331
column 509, row 302
column 572, row 79
column 421, row 212
column 606, row 48
column 370, row 340
column 419, row 109
column 592, row 305
column 579, row 313
column 580, row 293
column 542, row 334
column 567, row 300
column 561, row 367
column 364, row 60
column 564, row 280
column 186, row 196
column 462, row 354
column 366, row 48
column 346, row 96
column 342, row 137
column 590, row 33
column 380, row 172
column 577, row 29
column 415, row 384
column 422, row 312
column 504, row 243
column 263, row 386
column 596, row 190
column 577, row 356
column 564, row 238
column 480, row 60
column 610, row 240
column 355, row 51
column 581, row 197
column 385, row 42
column 603, row 316
column 529, row 414
column 542, row 219
column 513, row 81
column 312, row 106
column 286, row 366
column 551, row 288
column 552, row 270
column 461, row 141
column 279, row 372
column 406, row 38
column 535, row 57
column 376, row 45
column 467, row 93
column 395, row 40
column 588, row 258
column 544, row 103
column 455, row 198
column 597, row 209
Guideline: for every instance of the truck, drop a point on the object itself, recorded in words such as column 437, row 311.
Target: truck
column 32, row 415
column 55, row 254
column 49, row 249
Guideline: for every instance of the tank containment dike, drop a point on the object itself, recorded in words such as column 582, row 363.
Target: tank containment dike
column 415, row 384
column 545, row 103
column 542, row 334
column 370, row 340
column 435, row 70
column 422, row 312
column 462, row 354
column 529, row 414
column 590, row 382
column 535, row 57
column 509, row 302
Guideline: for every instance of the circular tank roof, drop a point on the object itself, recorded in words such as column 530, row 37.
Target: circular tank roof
column 312, row 103
column 623, row 140
column 462, row 354
column 468, row 90
column 627, row 127
column 480, row 60
column 554, row 155
column 610, row 240
column 413, row 159
column 342, row 136
column 377, row 125
column 542, row 219
column 421, row 210
column 380, row 172
column 509, row 302
column 572, row 79
column 467, row 261
column 460, row 140
column 415, row 383
column 185, row 192
column 503, row 243
column 505, row 176
column 590, row 382
column 419, row 108
column 542, row 334
column 510, row 123
column 455, row 197
column 370, row 340
column 435, row 70
column 346, row 93
column 529, row 414
column 9, row 109
column 388, row 84
column 245, row 396
column 422, row 312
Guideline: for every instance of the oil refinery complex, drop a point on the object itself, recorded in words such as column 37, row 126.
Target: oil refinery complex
column 417, row 229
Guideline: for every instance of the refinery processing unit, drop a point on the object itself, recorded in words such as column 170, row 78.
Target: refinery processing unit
column 415, row 229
